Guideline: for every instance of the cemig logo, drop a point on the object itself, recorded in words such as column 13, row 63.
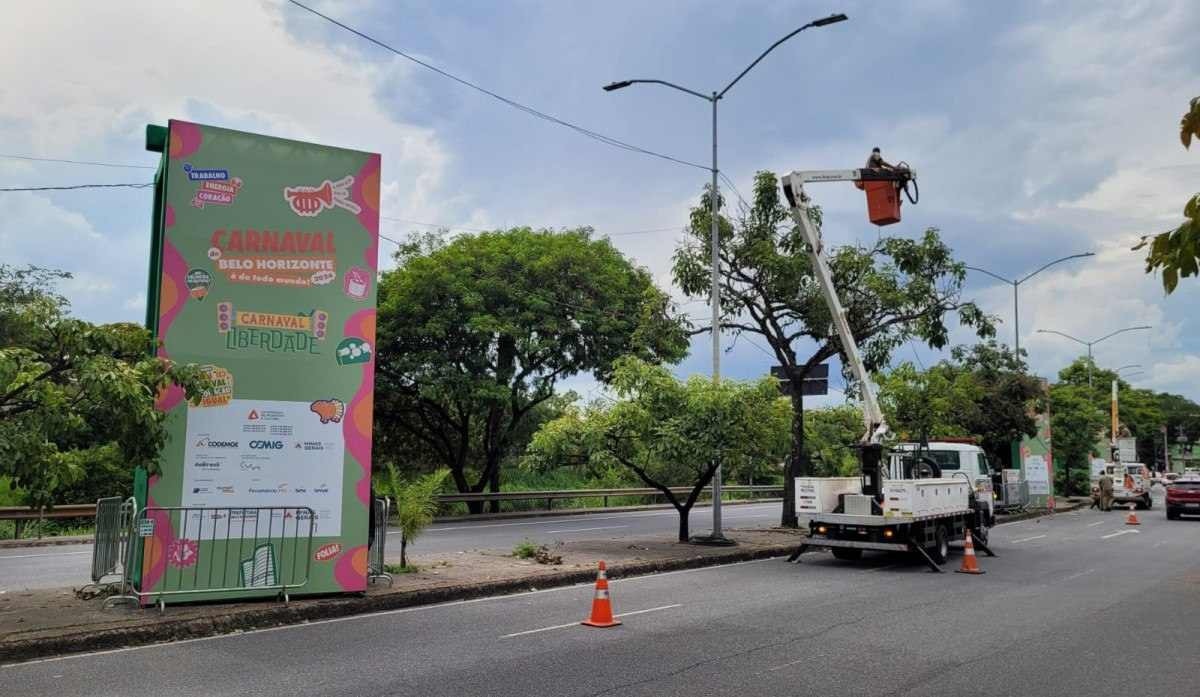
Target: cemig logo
column 253, row 415
column 327, row 552
column 266, row 445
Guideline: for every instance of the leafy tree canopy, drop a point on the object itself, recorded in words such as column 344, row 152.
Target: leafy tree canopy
column 670, row 432
column 475, row 334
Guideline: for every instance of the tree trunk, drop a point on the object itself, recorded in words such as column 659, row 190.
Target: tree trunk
column 494, row 481
column 403, row 549
column 797, row 465
column 683, row 522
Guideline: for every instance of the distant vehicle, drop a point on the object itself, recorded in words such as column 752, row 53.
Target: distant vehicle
column 1131, row 484
column 1183, row 497
column 1169, row 477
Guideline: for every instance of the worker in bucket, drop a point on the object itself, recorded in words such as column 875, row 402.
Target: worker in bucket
column 1106, row 491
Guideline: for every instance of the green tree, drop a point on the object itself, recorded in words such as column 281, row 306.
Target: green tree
column 1139, row 411
column 76, row 399
column 414, row 502
column 1177, row 252
column 671, row 432
column 830, row 438
column 1076, row 423
column 895, row 290
column 475, row 334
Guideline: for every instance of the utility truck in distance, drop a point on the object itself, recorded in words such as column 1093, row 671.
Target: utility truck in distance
column 902, row 501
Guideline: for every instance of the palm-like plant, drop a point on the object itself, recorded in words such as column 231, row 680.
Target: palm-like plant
column 415, row 502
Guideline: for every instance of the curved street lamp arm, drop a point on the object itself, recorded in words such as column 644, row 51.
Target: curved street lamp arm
column 1131, row 365
column 824, row 21
column 995, row 276
column 694, row 93
column 1056, row 261
column 1052, row 331
column 1119, row 331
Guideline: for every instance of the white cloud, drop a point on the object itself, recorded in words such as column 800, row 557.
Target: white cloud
column 229, row 63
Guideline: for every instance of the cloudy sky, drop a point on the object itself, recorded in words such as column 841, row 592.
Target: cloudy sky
column 1039, row 129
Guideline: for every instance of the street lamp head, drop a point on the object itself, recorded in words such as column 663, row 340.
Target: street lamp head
column 831, row 19
column 617, row 85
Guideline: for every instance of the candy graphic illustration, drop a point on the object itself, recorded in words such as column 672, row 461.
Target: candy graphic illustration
column 198, row 281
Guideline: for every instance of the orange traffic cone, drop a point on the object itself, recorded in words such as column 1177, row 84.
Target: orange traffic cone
column 602, row 615
column 969, row 565
column 1131, row 519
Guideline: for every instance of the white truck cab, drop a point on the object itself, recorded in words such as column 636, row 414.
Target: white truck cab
column 966, row 458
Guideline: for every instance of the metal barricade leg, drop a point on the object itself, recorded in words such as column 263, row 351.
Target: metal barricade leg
column 375, row 566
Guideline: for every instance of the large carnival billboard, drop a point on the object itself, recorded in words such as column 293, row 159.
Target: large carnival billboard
column 264, row 272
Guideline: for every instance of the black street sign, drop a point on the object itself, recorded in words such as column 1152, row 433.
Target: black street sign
column 819, row 371
column 808, row 388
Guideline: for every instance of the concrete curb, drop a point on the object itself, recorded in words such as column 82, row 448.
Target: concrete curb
column 302, row 611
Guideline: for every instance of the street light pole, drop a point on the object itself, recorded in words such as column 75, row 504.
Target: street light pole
column 717, row 536
column 1090, row 344
column 1016, row 284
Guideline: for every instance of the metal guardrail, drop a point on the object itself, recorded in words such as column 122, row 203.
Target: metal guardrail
column 88, row 510
column 381, row 510
column 22, row 515
column 226, row 549
column 604, row 494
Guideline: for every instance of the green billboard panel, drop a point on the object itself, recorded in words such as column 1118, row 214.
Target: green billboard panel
column 264, row 272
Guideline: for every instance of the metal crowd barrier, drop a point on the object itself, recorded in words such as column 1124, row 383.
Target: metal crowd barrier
column 375, row 551
column 1013, row 496
column 218, row 550
column 111, row 551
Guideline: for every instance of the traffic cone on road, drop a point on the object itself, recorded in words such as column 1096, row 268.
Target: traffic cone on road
column 602, row 614
column 1132, row 518
column 970, row 565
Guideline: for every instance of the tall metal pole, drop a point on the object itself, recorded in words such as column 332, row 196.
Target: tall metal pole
column 1016, row 322
column 715, row 293
column 1089, row 366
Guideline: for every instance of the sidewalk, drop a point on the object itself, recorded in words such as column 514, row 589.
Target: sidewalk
column 35, row 624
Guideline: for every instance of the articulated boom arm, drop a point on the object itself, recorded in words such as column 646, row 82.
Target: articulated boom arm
column 793, row 188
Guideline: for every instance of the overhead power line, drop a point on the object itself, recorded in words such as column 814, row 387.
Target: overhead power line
column 607, row 140
column 74, row 162
column 78, row 186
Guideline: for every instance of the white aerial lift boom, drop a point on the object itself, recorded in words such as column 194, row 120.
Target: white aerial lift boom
column 893, row 512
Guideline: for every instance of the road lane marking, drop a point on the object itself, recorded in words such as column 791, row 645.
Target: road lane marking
column 602, row 527
column 576, row 624
column 1098, row 522
column 30, row 556
column 1027, row 539
column 1072, row 577
column 373, row 615
column 1119, row 533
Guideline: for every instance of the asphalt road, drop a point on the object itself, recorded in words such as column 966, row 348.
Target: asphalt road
column 67, row 565
column 1078, row 604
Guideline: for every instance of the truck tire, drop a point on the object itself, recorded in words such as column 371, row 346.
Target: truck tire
column 941, row 545
column 847, row 553
column 1149, row 502
column 1172, row 515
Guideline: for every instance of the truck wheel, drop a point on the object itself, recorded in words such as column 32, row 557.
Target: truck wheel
column 941, row 545
column 1149, row 502
column 847, row 553
column 1172, row 515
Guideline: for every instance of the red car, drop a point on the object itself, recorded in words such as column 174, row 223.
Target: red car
column 1183, row 497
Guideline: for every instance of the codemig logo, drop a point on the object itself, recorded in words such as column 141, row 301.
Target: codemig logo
column 206, row 442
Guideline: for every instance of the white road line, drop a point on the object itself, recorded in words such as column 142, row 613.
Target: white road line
column 371, row 615
column 1098, row 522
column 880, row 568
column 1077, row 575
column 30, row 556
column 1119, row 533
column 576, row 624
column 1027, row 539
column 602, row 527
